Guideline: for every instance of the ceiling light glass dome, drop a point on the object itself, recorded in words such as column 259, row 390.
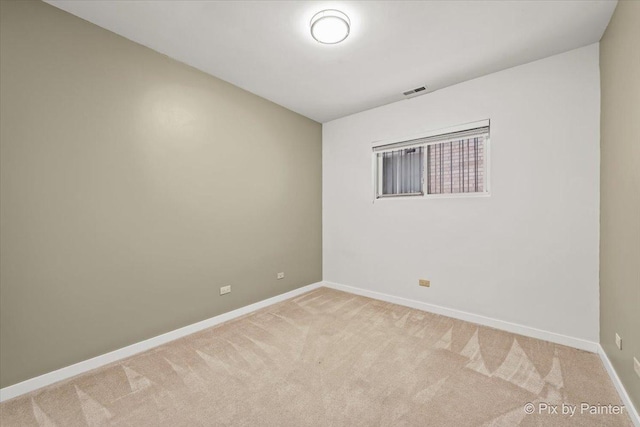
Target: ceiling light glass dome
column 330, row 26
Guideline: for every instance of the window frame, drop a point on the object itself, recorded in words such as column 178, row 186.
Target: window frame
column 376, row 161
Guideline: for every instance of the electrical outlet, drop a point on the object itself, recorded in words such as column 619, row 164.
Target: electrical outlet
column 424, row 282
column 280, row 276
column 225, row 290
column 618, row 342
column 636, row 366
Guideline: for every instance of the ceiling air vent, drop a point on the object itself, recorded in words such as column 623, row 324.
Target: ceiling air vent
column 415, row 92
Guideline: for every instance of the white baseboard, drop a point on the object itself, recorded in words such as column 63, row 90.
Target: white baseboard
column 474, row 318
column 626, row 400
column 122, row 353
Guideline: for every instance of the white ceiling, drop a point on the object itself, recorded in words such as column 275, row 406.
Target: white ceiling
column 265, row 46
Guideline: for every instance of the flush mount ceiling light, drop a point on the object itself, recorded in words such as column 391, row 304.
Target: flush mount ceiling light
column 330, row 26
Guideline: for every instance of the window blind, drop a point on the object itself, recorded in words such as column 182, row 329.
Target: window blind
column 447, row 137
column 402, row 171
column 456, row 166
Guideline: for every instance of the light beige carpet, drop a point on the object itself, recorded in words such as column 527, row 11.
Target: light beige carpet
column 329, row 358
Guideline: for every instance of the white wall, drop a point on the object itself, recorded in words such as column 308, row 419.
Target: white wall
column 528, row 254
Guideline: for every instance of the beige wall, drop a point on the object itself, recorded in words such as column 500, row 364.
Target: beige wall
column 620, row 192
column 133, row 187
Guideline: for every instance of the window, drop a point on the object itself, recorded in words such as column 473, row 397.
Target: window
column 452, row 162
column 402, row 171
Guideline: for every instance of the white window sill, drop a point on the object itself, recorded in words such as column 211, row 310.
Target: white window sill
column 435, row 196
